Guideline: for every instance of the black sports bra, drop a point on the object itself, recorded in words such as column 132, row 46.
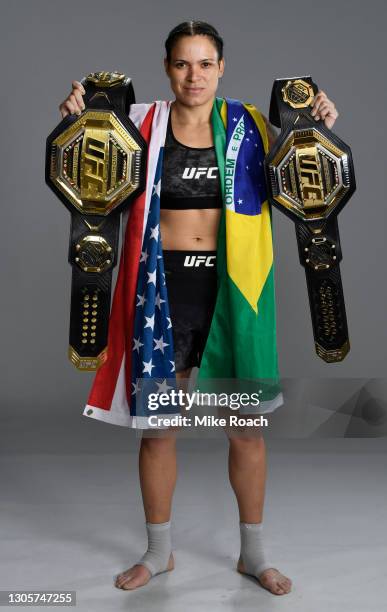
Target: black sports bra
column 190, row 177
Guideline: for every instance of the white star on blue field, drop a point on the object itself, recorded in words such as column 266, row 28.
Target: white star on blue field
column 248, row 194
column 152, row 350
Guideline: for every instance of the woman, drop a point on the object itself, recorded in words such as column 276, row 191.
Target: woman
column 189, row 223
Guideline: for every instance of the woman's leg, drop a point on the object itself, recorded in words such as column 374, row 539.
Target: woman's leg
column 247, row 472
column 158, row 474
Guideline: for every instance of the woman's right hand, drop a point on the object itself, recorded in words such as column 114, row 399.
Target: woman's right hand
column 74, row 102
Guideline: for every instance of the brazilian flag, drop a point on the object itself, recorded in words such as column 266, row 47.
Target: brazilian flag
column 242, row 341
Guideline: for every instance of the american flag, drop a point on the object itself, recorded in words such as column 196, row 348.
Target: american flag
column 140, row 343
column 153, row 355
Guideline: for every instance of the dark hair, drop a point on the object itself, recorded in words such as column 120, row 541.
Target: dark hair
column 192, row 28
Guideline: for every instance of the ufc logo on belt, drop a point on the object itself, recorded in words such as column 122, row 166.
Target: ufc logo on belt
column 197, row 260
column 195, row 173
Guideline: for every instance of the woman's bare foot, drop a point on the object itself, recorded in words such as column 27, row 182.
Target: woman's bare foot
column 271, row 579
column 138, row 576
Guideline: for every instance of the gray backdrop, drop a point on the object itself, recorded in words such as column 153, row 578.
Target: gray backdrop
column 46, row 44
column 70, row 501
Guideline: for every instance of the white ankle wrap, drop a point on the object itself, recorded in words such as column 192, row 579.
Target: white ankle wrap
column 252, row 552
column 159, row 547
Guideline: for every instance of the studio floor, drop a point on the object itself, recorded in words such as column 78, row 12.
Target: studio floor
column 73, row 520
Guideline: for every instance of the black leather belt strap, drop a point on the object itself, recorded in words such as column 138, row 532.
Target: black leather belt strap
column 96, row 165
column 310, row 178
column 111, row 90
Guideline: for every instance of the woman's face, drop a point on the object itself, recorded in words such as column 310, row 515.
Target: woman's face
column 194, row 70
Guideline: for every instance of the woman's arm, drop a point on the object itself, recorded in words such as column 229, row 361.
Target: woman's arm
column 322, row 108
column 271, row 132
column 74, row 103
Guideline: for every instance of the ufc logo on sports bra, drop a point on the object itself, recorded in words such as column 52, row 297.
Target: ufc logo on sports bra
column 197, row 260
column 196, row 173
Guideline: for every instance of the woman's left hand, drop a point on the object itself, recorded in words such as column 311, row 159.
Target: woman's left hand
column 323, row 108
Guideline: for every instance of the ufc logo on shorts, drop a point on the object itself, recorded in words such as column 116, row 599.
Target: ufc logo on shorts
column 196, row 173
column 197, row 260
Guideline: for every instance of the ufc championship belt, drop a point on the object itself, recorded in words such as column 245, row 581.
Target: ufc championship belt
column 310, row 176
column 96, row 165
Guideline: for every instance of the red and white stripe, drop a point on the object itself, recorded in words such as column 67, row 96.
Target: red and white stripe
column 109, row 397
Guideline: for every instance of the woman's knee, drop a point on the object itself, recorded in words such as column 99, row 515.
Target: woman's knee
column 246, row 444
column 184, row 373
column 159, row 445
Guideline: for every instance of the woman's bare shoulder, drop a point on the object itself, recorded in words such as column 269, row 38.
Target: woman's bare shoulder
column 271, row 132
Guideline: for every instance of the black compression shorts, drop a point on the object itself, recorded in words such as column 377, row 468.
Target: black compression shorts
column 192, row 288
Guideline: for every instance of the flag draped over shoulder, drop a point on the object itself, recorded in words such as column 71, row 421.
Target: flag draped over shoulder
column 242, row 338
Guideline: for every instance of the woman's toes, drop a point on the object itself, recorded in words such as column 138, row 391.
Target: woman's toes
column 122, row 578
column 134, row 577
column 132, row 583
column 284, row 585
column 275, row 582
